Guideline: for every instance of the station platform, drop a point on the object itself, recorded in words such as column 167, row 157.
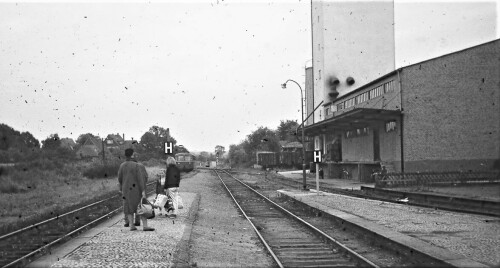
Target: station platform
column 461, row 240
column 110, row 244
column 296, row 175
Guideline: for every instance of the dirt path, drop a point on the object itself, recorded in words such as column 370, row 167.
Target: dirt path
column 220, row 236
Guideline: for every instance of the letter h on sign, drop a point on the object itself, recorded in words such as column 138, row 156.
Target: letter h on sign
column 169, row 147
column 317, row 156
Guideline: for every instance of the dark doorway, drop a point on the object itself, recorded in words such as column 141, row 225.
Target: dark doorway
column 376, row 145
column 336, row 150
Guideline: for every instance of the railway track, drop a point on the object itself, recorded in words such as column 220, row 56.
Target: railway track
column 464, row 205
column 19, row 247
column 290, row 240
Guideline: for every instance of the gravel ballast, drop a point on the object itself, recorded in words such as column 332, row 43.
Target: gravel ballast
column 220, row 235
column 473, row 236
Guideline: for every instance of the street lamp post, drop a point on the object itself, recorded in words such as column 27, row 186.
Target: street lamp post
column 304, row 185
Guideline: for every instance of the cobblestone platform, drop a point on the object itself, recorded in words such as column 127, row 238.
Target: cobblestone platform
column 464, row 240
column 112, row 245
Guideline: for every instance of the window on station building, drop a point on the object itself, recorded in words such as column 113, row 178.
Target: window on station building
column 327, row 110
column 390, row 126
column 333, row 108
column 362, row 98
column 362, row 131
column 348, row 103
column 365, row 96
column 340, row 106
column 350, row 134
column 376, row 91
column 389, row 86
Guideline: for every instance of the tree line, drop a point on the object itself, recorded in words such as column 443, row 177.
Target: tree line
column 16, row 146
column 262, row 139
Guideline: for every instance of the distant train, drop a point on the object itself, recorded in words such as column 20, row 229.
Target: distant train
column 185, row 161
column 281, row 159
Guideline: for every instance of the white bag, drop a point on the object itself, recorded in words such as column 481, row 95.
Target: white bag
column 178, row 199
column 161, row 200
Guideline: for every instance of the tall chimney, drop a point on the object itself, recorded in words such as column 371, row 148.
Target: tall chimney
column 123, row 136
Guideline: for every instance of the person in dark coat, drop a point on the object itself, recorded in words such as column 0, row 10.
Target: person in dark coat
column 137, row 221
column 172, row 180
column 132, row 188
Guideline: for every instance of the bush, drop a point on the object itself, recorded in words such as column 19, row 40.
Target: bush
column 4, row 171
column 8, row 186
column 153, row 162
column 13, row 155
column 27, row 176
column 42, row 164
column 97, row 170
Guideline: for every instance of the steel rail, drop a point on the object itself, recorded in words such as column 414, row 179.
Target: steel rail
column 251, row 223
column 347, row 192
column 3, row 237
column 59, row 239
column 331, row 239
column 41, row 249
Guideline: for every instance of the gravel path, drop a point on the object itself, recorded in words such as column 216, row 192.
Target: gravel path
column 474, row 236
column 221, row 236
column 116, row 246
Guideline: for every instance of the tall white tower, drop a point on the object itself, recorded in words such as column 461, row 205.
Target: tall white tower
column 353, row 44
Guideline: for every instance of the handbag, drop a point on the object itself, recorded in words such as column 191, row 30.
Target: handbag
column 145, row 209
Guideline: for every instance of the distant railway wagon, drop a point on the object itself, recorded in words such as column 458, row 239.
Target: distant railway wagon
column 281, row 159
column 267, row 159
column 185, row 161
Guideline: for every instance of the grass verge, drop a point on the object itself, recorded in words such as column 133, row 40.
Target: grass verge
column 37, row 194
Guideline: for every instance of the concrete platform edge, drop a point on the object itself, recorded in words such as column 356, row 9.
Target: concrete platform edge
column 64, row 249
column 410, row 243
column 181, row 255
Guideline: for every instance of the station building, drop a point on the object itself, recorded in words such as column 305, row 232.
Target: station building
column 442, row 114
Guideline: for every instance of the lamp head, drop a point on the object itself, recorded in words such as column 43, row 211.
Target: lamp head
column 283, row 85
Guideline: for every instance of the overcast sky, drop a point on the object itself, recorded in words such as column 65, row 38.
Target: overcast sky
column 208, row 70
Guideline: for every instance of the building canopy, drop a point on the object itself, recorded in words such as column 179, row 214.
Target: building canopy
column 356, row 118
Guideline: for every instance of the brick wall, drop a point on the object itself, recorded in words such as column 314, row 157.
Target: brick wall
column 452, row 111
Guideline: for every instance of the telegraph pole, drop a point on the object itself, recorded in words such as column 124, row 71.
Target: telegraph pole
column 103, row 153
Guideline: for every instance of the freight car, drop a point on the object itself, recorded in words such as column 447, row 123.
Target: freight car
column 281, row 159
column 267, row 159
column 185, row 161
